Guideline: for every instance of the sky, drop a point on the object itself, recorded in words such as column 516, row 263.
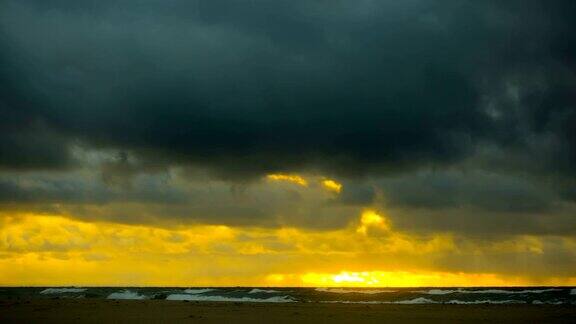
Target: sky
column 287, row 143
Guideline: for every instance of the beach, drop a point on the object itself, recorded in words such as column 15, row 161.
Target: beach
column 164, row 311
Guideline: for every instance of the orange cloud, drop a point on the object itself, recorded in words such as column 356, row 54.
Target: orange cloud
column 331, row 185
column 293, row 178
column 54, row 250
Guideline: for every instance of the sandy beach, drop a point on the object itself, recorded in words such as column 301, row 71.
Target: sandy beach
column 160, row 311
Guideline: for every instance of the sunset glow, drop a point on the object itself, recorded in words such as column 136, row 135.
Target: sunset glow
column 289, row 178
column 50, row 249
column 332, row 185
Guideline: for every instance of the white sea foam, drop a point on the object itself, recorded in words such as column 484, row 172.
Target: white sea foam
column 419, row 300
column 539, row 302
column 485, row 291
column 436, row 291
column 125, row 294
column 353, row 302
column 277, row 299
column 461, row 302
column 62, row 290
column 263, row 291
column 500, row 291
column 573, row 291
column 357, row 291
column 198, row 291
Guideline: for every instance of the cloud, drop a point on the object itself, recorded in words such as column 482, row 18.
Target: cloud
column 484, row 191
column 52, row 250
column 175, row 196
column 247, row 90
column 477, row 203
column 453, row 118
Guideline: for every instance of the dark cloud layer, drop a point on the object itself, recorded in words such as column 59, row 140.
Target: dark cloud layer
column 249, row 88
column 484, row 191
column 352, row 89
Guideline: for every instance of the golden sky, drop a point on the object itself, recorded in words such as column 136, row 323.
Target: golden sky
column 43, row 249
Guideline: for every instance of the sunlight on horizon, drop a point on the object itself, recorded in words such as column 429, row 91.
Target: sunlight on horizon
column 54, row 250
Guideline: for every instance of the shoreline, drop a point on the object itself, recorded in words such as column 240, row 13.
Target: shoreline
column 154, row 311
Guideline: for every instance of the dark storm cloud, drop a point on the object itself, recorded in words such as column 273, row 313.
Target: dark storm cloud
column 350, row 89
column 167, row 197
column 344, row 87
column 75, row 190
column 246, row 88
column 479, row 190
column 25, row 143
column 532, row 87
column 476, row 203
column 354, row 193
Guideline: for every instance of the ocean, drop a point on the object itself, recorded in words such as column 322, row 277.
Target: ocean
column 492, row 295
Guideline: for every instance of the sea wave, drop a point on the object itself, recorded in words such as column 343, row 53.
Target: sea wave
column 277, row 299
column 263, row 291
column 539, row 302
column 419, row 300
column 126, row 294
column 198, row 291
column 435, row 291
column 62, row 290
column 357, row 291
column 485, row 291
column 500, row 291
column 422, row 300
column 573, row 291
column 462, row 302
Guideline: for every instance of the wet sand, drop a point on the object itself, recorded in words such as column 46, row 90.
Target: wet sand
column 161, row 311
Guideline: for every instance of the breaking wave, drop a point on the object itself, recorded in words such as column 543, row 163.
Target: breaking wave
column 370, row 295
column 419, row 300
column 358, row 291
column 461, row 302
column 187, row 297
column 263, row 291
column 539, row 302
column 198, row 291
column 422, row 300
column 126, row 294
column 62, row 290
column 436, row 292
column 485, row 291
